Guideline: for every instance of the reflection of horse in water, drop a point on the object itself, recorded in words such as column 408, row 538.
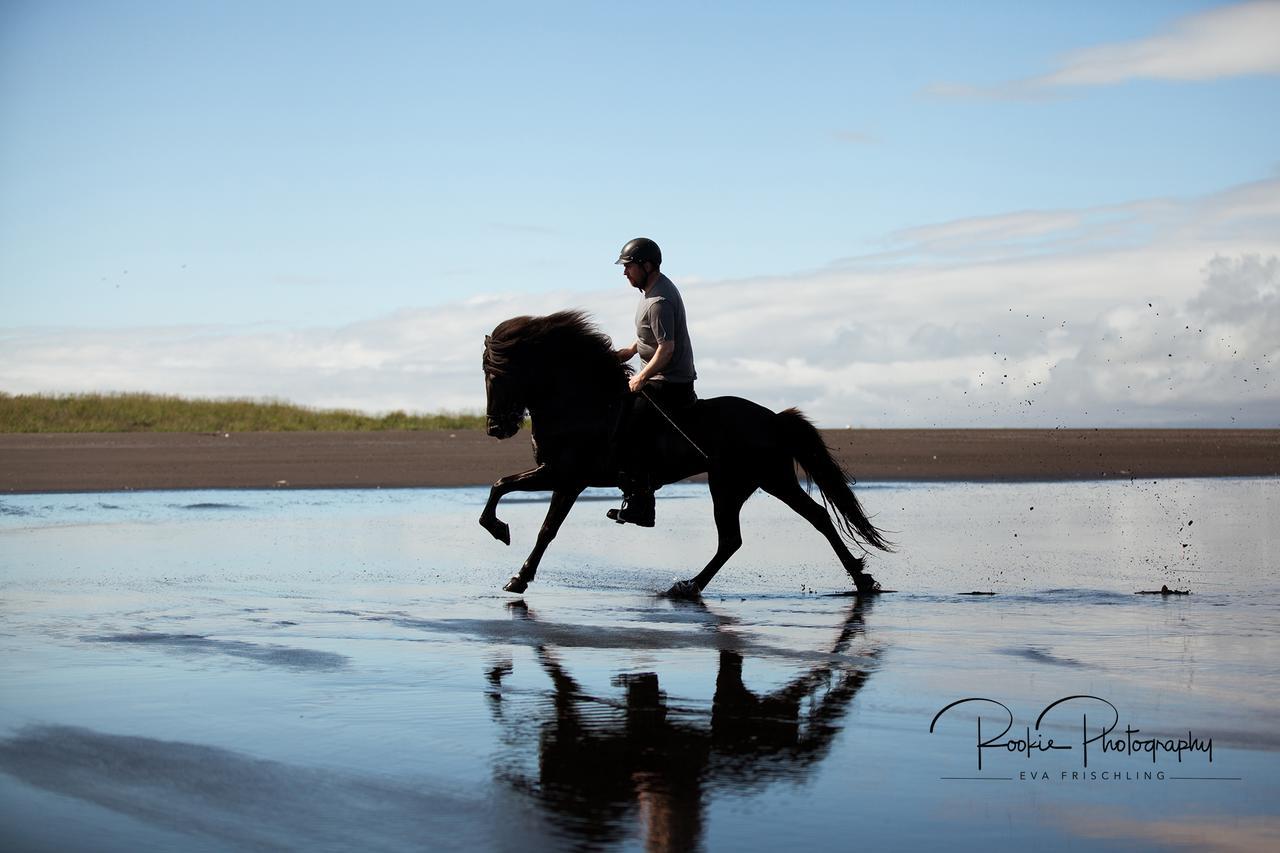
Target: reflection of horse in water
column 564, row 373
column 603, row 764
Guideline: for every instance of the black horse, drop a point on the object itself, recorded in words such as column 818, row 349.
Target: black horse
column 564, row 373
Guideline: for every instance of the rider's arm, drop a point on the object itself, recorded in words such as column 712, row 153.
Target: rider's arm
column 628, row 352
column 661, row 358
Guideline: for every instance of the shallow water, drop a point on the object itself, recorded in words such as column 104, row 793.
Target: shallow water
column 339, row 670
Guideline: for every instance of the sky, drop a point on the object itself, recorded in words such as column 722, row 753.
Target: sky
column 889, row 214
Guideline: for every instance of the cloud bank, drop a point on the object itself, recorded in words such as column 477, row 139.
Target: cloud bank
column 1231, row 41
column 1162, row 312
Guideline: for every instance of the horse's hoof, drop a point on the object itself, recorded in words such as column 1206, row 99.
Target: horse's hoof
column 498, row 530
column 684, row 589
column 516, row 584
column 865, row 584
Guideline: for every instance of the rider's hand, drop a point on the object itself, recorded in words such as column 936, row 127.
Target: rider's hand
column 636, row 384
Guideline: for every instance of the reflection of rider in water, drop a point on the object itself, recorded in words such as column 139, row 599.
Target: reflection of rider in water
column 666, row 374
column 597, row 769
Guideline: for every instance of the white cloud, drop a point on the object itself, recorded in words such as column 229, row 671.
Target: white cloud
column 1202, row 354
column 1231, row 41
column 1160, row 312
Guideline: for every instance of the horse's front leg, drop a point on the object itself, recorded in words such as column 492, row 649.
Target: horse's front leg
column 533, row 480
column 561, row 502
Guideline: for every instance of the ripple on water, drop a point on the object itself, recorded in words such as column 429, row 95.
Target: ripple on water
column 272, row 655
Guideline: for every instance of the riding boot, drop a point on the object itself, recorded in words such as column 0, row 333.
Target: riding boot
column 637, row 502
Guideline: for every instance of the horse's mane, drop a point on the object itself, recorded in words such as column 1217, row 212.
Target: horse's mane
column 563, row 340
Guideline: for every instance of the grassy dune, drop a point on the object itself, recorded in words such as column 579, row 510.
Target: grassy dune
column 158, row 413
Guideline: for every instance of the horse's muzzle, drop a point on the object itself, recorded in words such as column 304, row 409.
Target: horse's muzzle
column 501, row 428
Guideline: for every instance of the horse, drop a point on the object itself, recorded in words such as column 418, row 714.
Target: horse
column 565, row 374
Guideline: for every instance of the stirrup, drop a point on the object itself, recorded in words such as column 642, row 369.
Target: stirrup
column 642, row 516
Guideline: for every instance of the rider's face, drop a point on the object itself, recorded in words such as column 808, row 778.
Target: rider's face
column 636, row 274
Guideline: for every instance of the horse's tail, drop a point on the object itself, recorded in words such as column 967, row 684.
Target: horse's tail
column 832, row 480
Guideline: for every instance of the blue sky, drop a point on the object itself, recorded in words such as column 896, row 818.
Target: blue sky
column 280, row 175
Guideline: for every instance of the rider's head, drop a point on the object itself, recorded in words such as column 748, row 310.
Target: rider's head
column 640, row 259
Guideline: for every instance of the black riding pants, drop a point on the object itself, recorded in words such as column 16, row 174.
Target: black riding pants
column 644, row 424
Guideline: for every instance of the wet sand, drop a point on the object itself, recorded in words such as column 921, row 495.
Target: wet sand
column 129, row 461
column 324, row 670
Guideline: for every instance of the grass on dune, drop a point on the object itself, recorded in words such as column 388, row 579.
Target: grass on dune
column 160, row 413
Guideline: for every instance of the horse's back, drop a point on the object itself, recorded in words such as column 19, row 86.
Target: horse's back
column 736, row 407
column 735, row 422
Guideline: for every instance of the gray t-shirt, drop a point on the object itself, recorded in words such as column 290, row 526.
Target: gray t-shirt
column 660, row 317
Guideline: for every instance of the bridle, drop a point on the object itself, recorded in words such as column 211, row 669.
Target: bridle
column 509, row 420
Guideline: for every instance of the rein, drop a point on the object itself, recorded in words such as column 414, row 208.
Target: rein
column 683, row 435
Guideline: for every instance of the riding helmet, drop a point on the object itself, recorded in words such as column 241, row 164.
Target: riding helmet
column 640, row 249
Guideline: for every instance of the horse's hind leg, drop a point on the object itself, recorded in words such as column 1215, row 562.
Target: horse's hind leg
column 787, row 489
column 727, row 498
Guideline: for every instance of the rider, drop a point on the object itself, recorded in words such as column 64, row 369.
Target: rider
column 666, row 374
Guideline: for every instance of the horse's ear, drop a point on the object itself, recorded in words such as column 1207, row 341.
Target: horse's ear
column 486, row 340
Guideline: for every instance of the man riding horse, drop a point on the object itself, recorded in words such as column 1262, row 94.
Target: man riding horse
column 573, row 384
column 665, row 379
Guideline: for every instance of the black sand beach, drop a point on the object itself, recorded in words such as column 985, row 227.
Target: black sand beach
column 125, row 461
